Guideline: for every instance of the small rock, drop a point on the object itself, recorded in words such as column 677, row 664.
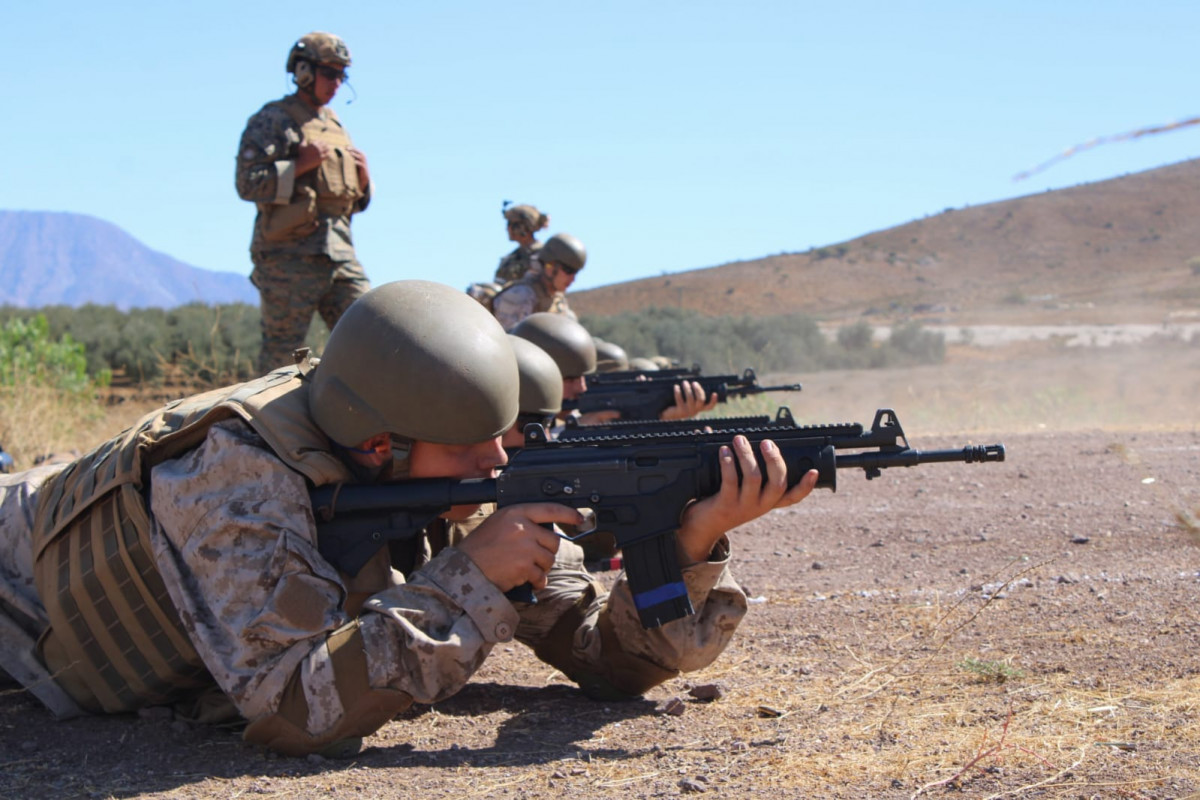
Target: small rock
column 818, row 565
column 692, row 786
column 1080, row 540
column 707, row 692
column 673, row 707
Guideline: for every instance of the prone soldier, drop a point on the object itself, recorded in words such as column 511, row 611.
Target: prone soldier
column 179, row 563
column 574, row 350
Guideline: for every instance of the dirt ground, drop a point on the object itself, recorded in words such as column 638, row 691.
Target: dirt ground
column 1024, row 629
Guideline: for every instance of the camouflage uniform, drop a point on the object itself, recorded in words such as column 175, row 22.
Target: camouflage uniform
column 312, row 267
column 522, row 298
column 310, row 657
column 516, row 264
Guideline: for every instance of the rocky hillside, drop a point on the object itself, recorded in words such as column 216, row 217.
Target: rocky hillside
column 1120, row 250
column 52, row 258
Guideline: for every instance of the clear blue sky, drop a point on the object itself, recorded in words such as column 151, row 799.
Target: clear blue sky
column 665, row 135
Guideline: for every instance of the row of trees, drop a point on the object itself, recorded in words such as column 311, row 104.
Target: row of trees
column 780, row 343
column 199, row 342
column 219, row 344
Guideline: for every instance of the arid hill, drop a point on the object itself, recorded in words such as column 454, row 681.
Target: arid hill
column 1113, row 251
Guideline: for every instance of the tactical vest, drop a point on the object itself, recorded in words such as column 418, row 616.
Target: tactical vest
column 115, row 642
column 335, row 181
column 514, row 265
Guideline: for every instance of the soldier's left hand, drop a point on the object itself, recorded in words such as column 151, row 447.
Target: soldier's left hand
column 706, row 521
column 690, row 400
column 360, row 161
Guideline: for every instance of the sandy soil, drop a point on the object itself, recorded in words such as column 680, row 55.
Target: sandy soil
column 1024, row 629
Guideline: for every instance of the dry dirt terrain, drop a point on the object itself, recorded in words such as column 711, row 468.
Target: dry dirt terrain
column 1025, row 629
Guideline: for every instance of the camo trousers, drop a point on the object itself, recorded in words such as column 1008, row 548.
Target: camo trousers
column 292, row 287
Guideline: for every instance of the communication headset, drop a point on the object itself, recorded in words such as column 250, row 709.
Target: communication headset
column 302, row 71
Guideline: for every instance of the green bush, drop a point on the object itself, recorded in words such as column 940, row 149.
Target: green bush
column 28, row 353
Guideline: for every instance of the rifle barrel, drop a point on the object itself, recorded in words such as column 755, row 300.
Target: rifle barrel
column 970, row 454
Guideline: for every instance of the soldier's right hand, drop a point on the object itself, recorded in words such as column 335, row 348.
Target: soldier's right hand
column 512, row 546
column 310, row 155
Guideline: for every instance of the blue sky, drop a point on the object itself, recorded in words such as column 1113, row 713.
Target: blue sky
column 666, row 135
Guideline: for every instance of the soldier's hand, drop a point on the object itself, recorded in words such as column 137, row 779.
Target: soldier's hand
column 512, row 547
column 705, row 522
column 310, row 155
column 690, row 400
column 360, row 161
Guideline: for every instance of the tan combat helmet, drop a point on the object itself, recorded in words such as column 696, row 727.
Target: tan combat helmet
column 418, row 359
column 565, row 250
column 312, row 49
column 610, row 357
column 541, row 379
column 526, row 216
column 567, row 342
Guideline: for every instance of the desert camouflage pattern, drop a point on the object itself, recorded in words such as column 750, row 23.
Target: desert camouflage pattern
column 265, row 617
column 527, row 295
column 114, row 641
column 516, row 264
column 234, row 540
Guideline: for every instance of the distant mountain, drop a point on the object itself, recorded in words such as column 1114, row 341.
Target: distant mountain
column 56, row 258
column 1120, row 250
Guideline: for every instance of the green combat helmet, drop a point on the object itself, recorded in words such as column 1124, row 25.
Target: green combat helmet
column 610, row 357
column 418, row 359
column 567, row 342
column 541, row 380
column 565, row 250
column 312, row 49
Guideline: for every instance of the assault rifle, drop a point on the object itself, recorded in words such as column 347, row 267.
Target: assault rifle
column 647, row 399
column 621, row 375
column 621, row 427
column 636, row 487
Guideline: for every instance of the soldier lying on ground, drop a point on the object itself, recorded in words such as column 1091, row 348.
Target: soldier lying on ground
column 177, row 564
column 574, row 350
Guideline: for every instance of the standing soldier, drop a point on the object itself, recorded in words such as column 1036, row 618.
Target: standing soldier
column 543, row 290
column 297, row 164
column 523, row 222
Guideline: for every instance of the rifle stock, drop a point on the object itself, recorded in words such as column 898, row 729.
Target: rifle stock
column 637, row 486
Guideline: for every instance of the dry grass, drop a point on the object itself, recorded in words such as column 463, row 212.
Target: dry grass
column 37, row 421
